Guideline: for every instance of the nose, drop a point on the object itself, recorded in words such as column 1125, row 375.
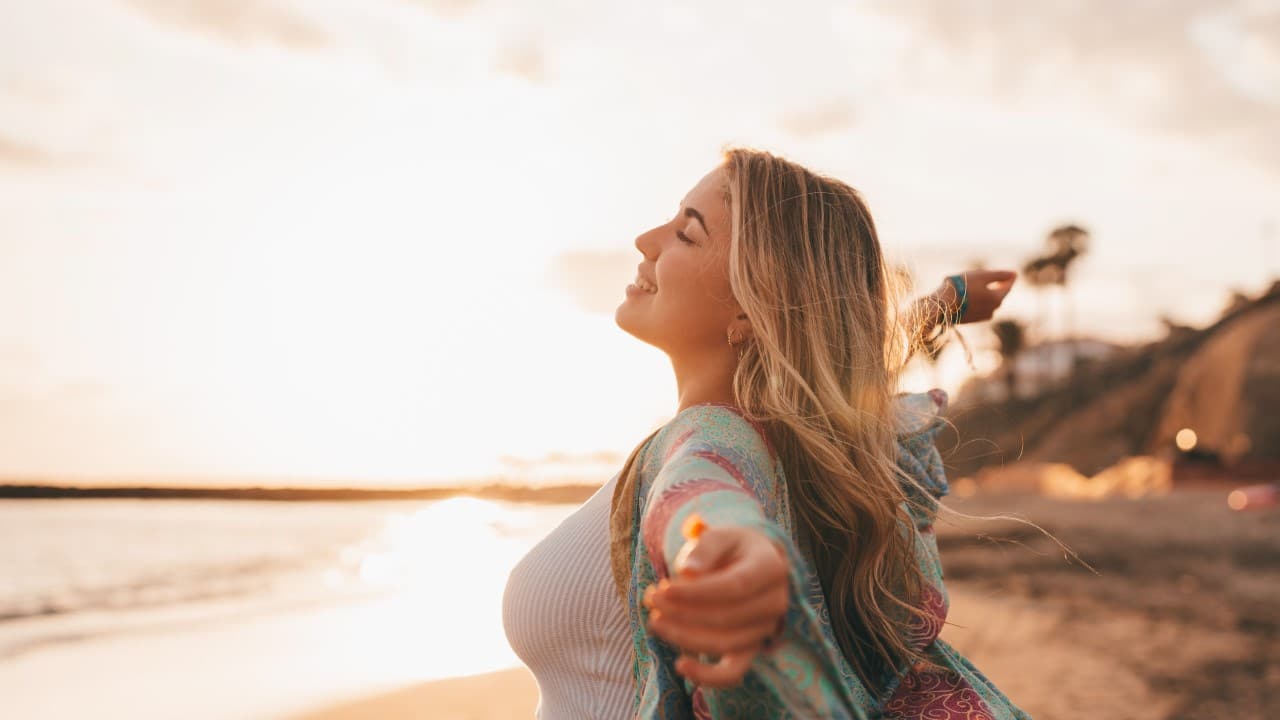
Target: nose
column 646, row 243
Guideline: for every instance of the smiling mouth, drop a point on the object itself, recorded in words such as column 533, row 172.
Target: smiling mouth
column 644, row 285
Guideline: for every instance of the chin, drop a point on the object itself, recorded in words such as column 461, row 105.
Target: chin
column 624, row 323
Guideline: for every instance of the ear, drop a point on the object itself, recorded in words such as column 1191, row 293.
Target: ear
column 741, row 328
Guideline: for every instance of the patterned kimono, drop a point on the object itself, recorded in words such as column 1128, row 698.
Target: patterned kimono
column 711, row 460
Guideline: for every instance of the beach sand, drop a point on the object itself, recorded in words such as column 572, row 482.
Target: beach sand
column 1175, row 617
column 492, row 696
column 1179, row 621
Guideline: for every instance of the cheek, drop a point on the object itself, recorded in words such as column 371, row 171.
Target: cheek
column 697, row 277
column 696, row 303
column 694, row 290
column 684, row 290
column 713, row 287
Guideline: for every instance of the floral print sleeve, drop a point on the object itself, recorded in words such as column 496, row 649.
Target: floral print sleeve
column 712, row 460
column 717, row 464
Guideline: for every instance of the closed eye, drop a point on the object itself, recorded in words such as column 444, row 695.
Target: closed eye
column 680, row 234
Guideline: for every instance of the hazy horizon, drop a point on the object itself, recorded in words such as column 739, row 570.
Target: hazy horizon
column 235, row 483
column 299, row 482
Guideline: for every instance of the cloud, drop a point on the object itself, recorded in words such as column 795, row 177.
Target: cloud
column 238, row 22
column 19, row 360
column 1175, row 66
column 827, row 118
column 29, row 87
column 563, row 460
column 448, row 8
column 16, row 153
column 524, row 59
column 595, row 279
column 20, row 154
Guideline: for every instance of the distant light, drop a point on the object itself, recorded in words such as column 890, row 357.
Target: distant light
column 1237, row 500
column 1186, row 439
column 1253, row 497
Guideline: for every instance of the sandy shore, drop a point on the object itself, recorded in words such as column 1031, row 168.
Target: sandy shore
column 225, row 661
column 1031, row 651
column 1177, row 619
column 492, row 696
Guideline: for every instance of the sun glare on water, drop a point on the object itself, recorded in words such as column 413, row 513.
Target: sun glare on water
column 446, row 566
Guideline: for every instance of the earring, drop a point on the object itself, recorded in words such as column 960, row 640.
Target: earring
column 741, row 348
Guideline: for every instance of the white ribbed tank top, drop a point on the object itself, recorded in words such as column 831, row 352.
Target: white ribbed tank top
column 563, row 617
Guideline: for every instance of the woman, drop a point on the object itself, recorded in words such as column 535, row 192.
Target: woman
column 814, row 590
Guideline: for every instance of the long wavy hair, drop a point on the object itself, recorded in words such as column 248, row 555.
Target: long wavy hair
column 806, row 266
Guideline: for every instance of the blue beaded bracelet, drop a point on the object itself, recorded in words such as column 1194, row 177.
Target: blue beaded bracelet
column 957, row 282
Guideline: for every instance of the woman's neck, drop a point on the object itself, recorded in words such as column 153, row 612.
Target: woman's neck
column 707, row 379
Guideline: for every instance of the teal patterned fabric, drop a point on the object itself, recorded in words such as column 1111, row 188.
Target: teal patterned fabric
column 711, row 460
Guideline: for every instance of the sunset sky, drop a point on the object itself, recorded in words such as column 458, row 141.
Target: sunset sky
column 382, row 241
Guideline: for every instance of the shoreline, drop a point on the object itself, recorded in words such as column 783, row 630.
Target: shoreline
column 530, row 494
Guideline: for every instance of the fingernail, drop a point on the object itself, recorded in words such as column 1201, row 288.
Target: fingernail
column 649, row 592
column 692, row 526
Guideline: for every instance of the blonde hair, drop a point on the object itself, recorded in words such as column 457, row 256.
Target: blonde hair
column 806, row 266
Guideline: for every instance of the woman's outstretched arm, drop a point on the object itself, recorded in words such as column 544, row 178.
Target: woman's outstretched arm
column 737, row 609
column 984, row 291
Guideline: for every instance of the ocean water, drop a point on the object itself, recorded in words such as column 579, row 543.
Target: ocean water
column 366, row 594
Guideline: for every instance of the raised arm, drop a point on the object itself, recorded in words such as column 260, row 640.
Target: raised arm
column 968, row 297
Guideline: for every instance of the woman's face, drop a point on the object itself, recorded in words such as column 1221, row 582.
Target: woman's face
column 687, row 260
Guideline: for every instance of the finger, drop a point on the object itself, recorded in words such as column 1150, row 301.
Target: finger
column 722, row 675
column 763, row 607
column 1001, row 287
column 990, row 276
column 711, row 550
column 744, row 577
column 700, row 639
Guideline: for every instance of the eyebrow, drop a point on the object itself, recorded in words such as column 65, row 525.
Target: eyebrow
column 690, row 212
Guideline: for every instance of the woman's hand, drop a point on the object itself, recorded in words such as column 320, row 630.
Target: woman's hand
column 986, row 289
column 728, row 599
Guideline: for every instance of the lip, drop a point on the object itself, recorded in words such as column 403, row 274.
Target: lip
column 640, row 273
column 634, row 289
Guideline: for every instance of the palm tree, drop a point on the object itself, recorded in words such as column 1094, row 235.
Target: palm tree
column 1068, row 242
column 1064, row 245
column 1011, row 335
